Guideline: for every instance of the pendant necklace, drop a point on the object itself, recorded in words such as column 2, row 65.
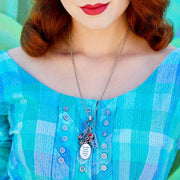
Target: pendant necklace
column 88, row 139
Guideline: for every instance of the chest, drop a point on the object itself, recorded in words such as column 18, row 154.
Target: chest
column 93, row 77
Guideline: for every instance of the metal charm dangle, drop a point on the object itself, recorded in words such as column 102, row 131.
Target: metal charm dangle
column 85, row 151
column 87, row 139
column 94, row 142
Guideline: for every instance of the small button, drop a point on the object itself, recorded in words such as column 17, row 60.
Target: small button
column 66, row 108
column 104, row 156
column 65, row 128
column 88, row 109
column 103, row 167
column 15, row 161
column 107, row 112
column 61, row 160
column 62, row 150
column 104, row 146
column 82, row 168
column 106, row 122
column 105, row 133
column 64, row 138
column 66, row 117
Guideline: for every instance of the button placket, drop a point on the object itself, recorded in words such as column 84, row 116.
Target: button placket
column 64, row 128
column 63, row 122
column 106, row 113
column 63, row 154
column 106, row 145
column 64, row 138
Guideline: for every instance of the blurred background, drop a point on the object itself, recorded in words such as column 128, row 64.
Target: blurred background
column 13, row 14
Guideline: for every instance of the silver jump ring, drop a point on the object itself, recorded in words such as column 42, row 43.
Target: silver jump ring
column 87, row 123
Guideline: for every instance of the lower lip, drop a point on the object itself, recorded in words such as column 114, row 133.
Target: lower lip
column 95, row 11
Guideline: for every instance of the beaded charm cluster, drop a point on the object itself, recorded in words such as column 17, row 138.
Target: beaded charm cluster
column 87, row 139
column 87, row 136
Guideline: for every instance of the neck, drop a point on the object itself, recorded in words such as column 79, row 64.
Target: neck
column 98, row 42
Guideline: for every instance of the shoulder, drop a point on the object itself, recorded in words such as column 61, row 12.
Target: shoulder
column 18, row 56
column 21, row 60
column 4, row 61
column 170, row 66
column 9, row 61
column 173, row 55
column 3, row 57
column 168, row 56
column 8, row 55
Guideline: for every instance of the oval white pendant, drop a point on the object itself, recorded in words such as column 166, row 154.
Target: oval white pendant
column 85, row 151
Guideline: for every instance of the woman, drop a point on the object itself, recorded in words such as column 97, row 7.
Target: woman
column 93, row 93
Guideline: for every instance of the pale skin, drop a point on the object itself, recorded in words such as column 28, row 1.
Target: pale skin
column 96, row 43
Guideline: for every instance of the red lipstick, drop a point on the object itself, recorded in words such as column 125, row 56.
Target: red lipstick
column 94, row 9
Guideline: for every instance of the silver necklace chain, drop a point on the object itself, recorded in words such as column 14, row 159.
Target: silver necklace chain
column 91, row 116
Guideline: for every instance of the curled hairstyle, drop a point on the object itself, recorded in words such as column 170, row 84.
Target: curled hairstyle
column 49, row 21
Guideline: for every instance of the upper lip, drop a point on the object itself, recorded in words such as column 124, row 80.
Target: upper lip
column 94, row 6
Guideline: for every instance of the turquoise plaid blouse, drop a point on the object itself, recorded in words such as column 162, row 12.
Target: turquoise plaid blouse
column 138, row 132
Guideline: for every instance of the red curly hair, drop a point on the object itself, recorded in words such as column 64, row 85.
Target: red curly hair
column 49, row 21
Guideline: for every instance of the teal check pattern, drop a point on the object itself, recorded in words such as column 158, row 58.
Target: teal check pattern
column 138, row 132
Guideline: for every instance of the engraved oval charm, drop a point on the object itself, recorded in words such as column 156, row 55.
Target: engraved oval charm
column 85, row 151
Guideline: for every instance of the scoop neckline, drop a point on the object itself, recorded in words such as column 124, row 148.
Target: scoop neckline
column 92, row 99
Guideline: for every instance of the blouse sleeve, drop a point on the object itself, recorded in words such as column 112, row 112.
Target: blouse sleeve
column 5, row 138
column 5, row 141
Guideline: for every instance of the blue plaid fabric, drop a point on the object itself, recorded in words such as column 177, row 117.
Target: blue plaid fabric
column 138, row 132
